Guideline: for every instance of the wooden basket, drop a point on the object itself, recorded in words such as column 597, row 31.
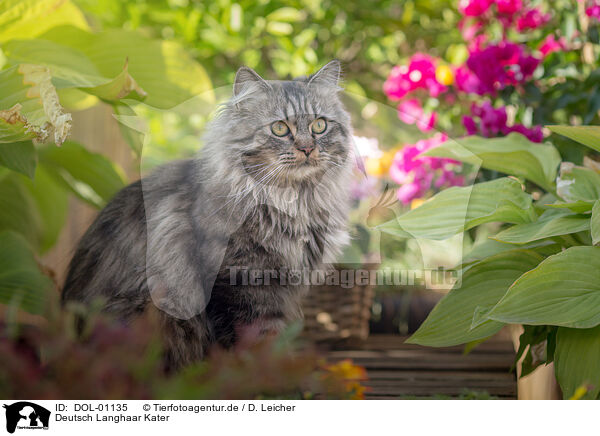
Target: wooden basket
column 336, row 313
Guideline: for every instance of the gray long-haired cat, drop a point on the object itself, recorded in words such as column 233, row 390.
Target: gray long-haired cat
column 267, row 193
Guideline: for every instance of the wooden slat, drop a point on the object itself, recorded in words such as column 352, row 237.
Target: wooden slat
column 396, row 369
column 436, row 375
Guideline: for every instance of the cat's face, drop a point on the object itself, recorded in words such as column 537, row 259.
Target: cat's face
column 291, row 130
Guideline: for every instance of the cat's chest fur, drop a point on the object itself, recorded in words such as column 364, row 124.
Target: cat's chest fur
column 289, row 234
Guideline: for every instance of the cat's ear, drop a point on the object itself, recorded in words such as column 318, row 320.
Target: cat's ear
column 328, row 75
column 246, row 77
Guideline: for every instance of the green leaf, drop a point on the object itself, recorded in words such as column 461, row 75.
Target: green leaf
column 19, row 156
column 544, row 228
column 18, row 211
column 483, row 285
column 51, row 200
column 131, row 133
column 586, row 135
column 513, row 155
column 489, row 247
column 21, row 281
column 564, row 290
column 578, row 184
column 595, row 223
column 577, row 361
column 91, row 176
column 163, row 69
column 70, row 68
column 457, row 209
column 532, row 341
column 578, row 206
column 122, row 86
column 29, row 18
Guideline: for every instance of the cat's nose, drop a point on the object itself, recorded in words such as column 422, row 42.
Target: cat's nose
column 305, row 148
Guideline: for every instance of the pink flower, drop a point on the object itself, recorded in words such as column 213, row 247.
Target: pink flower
column 497, row 66
column 550, row 44
column 593, row 11
column 490, row 122
column 532, row 19
column 470, row 29
column 406, row 193
column 467, row 82
column 411, row 112
column 418, row 74
column 474, row 8
column 417, row 175
column 534, row 134
column 397, row 84
column 509, row 7
column 470, row 125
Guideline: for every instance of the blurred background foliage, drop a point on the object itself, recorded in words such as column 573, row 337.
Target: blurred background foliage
column 283, row 39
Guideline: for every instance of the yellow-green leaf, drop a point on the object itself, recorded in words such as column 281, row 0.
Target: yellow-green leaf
column 586, row 135
column 482, row 285
column 564, row 290
column 29, row 18
column 545, row 227
column 513, row 155
column 457, row 209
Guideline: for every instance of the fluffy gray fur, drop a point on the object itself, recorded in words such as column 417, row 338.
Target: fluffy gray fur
column 251, row 200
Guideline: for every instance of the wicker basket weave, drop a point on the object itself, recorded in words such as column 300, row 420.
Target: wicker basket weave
column 335, row 313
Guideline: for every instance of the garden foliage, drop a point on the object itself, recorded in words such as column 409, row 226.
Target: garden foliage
column 540, row 269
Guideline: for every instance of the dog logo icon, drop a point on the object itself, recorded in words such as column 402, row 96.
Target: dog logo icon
column 26, row 415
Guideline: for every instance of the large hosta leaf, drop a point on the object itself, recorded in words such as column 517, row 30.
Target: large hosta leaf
column 70, row 68
column 564, row 290
column 163, row 69
column 586, row 135
column 545, row 227
column 458, row 209
column 91, row 176
column 577, row 361
column 483, row 285
column 29, row 18
column 21, row 282
column 578, row 206
column 513, row 155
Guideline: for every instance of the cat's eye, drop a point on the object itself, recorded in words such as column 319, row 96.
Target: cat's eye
column 319, row 125
column 279, row 128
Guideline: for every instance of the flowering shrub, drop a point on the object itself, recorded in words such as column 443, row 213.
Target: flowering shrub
column 505, row 82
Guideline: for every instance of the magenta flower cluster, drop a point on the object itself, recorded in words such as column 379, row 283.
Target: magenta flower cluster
column 418, row 74
column 416, row 174
column 593, row 10
column 490, row 122
column 491, row 66
column 498, row 66
column 508, row 12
